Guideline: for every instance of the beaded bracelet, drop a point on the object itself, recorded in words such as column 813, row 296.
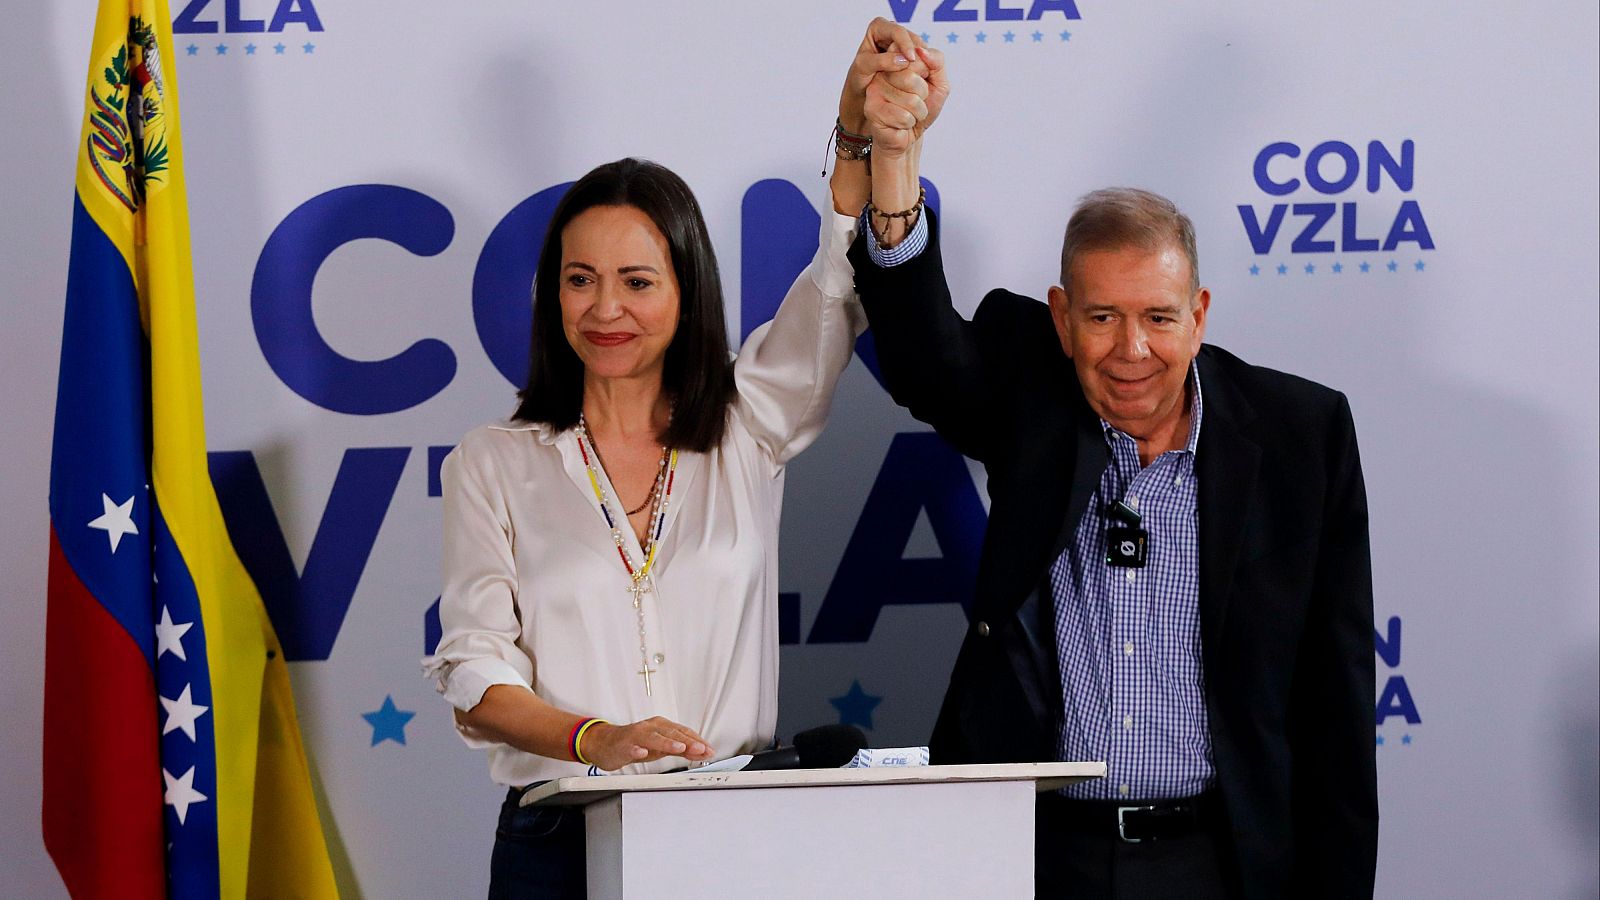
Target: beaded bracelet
column 575, row 739
column 916, row 208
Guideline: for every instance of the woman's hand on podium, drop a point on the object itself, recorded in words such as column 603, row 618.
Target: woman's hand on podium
column 610, row 747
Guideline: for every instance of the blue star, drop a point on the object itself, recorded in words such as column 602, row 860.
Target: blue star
column 1255, row 269
column 1380, row 740
column 192, row 49
column 278, row 49
column 1393, row 266
column 1420, row 265
column 222, row 49
column 308, row 46
column 981, row 37
column 855, row 707
column 388, row 723
column 925, row 37
column 1310, row 269
column 1038, row 36
column 1066, row 35
column 951, row 37
column 1366, row 267
column 1337, row 268
column 1283, row 269
column 1405, row 739
column 1010, row 38
column 249, row 49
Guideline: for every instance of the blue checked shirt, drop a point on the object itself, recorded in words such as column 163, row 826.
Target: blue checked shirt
column 909, row 248
column 1127, row 640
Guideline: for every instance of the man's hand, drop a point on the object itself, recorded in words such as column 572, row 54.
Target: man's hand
column 613, row 746
column 901, row 105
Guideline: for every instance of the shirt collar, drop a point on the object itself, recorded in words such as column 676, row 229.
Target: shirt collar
column 1196, row 410
column 541, row 431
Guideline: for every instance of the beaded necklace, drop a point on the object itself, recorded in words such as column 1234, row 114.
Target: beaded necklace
column 639, row 576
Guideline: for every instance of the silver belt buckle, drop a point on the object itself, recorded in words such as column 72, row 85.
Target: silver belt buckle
column 1122, row 825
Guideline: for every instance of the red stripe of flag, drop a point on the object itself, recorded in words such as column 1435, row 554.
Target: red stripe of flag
column 102, row 766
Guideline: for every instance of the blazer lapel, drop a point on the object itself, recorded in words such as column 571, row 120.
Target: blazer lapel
column 1090, row 461
column 1064, row 500
column 1227, row 462
column 1063, row 453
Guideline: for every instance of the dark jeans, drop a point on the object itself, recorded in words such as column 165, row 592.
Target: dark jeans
column 538, row 853
column 1072, row 862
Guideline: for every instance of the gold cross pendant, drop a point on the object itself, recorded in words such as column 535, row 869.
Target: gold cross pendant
column 638, row 589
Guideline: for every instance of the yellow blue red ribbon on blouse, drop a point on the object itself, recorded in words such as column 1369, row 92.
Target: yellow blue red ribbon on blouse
column 173, row 764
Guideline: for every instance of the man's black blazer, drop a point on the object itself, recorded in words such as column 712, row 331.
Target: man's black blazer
column 1285, row 579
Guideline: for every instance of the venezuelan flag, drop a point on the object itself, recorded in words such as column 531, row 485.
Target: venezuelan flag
column 173, row 761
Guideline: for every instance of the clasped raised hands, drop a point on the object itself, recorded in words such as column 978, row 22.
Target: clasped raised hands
column 895, row 89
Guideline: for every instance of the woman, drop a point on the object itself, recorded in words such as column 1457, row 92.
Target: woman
column 611, row 552
column 610, row 560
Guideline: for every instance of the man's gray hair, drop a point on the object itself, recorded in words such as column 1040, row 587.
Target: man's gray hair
column 1115, row 218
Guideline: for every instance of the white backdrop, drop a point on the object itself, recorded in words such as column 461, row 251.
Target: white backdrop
column 1472, row 365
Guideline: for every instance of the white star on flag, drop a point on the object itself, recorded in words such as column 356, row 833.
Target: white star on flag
column 181, row 793
column 181, row 713
column 169, row 637
column 116, row 521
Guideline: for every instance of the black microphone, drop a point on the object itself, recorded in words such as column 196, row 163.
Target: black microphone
column 823, row 747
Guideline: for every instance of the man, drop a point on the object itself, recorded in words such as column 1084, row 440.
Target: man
column 1175, row 577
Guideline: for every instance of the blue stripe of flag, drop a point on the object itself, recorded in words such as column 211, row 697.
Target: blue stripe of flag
column 101, row 431
column 192, row 862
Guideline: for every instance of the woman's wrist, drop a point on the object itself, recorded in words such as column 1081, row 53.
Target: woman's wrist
column 851, row 184
column 581, row 729
column 851, row 187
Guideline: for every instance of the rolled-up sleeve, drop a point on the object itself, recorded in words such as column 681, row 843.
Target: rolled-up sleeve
column 788, row 368
column 477, row 609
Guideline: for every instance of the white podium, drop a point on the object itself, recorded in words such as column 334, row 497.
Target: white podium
column 923, row 832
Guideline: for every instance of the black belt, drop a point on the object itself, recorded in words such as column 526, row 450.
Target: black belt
column 1151, row 820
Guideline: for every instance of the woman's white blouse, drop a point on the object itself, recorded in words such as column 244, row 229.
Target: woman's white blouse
column 535, row 594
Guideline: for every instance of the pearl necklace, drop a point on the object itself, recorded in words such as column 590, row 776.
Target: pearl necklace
column 638, row 575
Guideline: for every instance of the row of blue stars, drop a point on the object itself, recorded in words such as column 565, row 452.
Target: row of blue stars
column 1009, row 37
column 250, row 49
column 1336, row 268
column 855, row 707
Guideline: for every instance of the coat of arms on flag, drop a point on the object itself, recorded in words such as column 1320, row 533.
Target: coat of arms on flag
column 128, row 145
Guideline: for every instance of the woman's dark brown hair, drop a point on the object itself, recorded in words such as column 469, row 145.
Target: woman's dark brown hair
column 698, row 374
